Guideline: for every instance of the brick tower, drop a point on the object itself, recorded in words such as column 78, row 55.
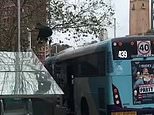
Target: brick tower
column 139, row 22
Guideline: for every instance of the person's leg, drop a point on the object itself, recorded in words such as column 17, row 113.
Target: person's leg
column 45, row 39
column 41, row 40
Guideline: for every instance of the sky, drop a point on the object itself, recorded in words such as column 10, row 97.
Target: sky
column 122, row 20
column 122, row 17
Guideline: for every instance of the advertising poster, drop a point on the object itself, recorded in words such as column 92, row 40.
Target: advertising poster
column 143, row 81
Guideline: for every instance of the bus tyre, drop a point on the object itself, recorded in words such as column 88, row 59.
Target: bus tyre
column 84, row 107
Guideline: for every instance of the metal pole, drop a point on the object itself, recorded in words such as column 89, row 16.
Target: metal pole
column 114, row 27
column 2, row 107
column 18, row 25
column 29, row 39
column 56, row 48
column 17, row 66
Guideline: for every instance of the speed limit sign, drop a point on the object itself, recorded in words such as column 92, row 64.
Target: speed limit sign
column 144, row 47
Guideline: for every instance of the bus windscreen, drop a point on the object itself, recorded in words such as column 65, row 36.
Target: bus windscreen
column 132, row 47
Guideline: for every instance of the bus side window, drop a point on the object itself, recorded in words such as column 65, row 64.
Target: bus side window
column 109, row 66
column 57, row 73
column 92, row 65
column 57, row 69
column 101, row 97
column 101, row 63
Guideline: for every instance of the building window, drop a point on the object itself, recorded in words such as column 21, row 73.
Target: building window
column 133, row 7
column 143, row 6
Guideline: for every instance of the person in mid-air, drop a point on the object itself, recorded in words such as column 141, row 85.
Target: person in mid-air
column 44, row 33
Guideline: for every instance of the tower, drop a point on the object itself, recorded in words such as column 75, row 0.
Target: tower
column 139, row 22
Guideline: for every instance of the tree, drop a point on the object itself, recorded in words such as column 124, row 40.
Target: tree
column 31, row 12
column 89, row 17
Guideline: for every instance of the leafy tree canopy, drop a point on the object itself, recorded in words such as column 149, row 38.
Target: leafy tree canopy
column 89, row 17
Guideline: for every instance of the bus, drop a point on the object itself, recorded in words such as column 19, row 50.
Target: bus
column 112, row 77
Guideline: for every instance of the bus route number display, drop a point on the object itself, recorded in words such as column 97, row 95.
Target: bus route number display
column 122, row 54
column 144, row 48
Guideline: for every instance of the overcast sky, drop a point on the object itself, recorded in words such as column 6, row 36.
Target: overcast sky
column 122, row 17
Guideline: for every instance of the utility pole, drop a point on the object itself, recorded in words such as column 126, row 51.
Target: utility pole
column 115, row 28
column 18, row 25
column 17, row 54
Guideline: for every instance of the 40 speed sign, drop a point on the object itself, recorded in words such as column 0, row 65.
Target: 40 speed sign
column 143, row 48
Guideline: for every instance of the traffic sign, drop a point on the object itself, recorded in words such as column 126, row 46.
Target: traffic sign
column 144, row 48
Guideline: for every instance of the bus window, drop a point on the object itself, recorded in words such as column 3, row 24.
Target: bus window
column 101, row 97
column 57, row 69
column 92, row 65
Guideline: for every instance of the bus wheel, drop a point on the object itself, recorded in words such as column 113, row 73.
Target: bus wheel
column 84, row 107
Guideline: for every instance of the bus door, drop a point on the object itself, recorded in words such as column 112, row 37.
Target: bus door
column 70, row 87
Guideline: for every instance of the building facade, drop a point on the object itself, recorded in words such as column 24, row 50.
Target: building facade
column 32, row 12
column 139, row 22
